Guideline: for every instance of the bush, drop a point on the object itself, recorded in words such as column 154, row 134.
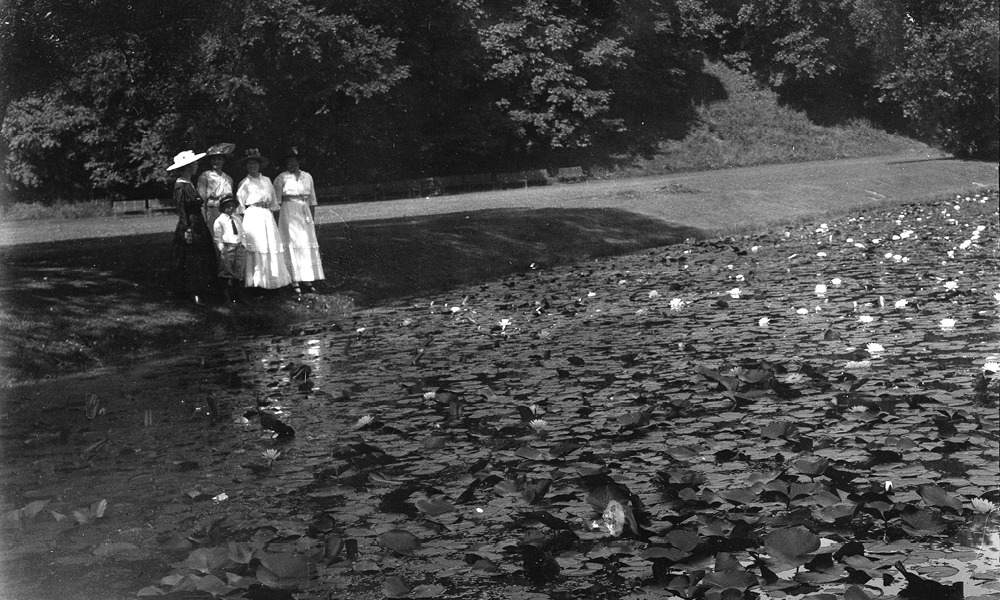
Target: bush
column 22, row 211
column 948, row 83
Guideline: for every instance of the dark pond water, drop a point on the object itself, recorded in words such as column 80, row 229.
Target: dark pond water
column 716, row 419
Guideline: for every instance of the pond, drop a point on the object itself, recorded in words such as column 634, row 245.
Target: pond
column 803, row 413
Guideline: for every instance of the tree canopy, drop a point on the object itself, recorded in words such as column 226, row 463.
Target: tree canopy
column 97, row 94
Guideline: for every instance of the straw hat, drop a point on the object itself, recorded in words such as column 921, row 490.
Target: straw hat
column 185, row 158
column 224, row 150
column 253, row 154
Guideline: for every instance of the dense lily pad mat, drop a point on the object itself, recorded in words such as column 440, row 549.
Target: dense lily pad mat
column 715, row 419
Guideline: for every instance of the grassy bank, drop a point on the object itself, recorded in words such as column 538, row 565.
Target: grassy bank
column 746, row 125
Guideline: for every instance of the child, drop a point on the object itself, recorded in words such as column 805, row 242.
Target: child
column 228, row 235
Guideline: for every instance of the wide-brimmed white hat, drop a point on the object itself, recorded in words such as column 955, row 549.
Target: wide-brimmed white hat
column 185, row 158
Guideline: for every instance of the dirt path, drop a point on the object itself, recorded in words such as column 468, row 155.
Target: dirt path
column 704, row 200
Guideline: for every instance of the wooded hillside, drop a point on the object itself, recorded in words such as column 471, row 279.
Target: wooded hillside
column 98, row 94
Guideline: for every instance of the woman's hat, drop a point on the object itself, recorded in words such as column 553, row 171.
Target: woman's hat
column 224, row 149
column 185, row 158
column 254, row 154
column 293, row 152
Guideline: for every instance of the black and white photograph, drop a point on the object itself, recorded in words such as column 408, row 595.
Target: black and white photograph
column 500, row 300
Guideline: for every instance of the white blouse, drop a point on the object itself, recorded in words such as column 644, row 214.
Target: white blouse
column 301, row 188
column 257, row 191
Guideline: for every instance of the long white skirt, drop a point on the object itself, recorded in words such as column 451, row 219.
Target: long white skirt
column 299, row 232
column 265, row 265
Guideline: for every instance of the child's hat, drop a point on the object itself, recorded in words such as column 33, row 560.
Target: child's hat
column 225, row 202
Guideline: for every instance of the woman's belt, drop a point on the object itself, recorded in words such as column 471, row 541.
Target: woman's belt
column 296, row 197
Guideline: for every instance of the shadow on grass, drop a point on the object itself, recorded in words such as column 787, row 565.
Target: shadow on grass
column 68, row 306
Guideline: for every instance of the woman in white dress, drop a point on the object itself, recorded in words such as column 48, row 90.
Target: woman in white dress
column 297, row 197
column 265, row 252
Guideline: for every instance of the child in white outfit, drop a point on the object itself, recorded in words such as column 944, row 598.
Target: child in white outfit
column 228, row 236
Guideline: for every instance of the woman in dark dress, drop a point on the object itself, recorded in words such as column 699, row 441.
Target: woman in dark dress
column 194, row 252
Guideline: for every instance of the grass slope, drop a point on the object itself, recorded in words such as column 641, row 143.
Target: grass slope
column 747, row 126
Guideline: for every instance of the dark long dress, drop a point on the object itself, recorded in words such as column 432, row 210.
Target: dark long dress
column 194, row 257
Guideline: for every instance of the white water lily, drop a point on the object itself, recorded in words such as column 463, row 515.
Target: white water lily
column 653, row 294
column 856, row 365
column 951, row 285
column 793, row 378
column 763, row 321
column 455, row 309
column 592, row 294
column 996, row 297
column 613, row 519
column 991, row 367
column 965, row 245
column 734, row 293
column 858, row 408
column 430, row 395
column 754, row 248
column 538, row 424
column 365, row 420
column 802, row 311
column 821, row 254
column 820, row 289
column 874, row 348
column 982, row 505
column 836, row 281
column 901, row 303
column 866, row 318
column 676, row 304
column 270, row 454
column 948, row 323
column 504, row 324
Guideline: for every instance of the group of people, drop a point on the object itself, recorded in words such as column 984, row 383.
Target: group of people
column 262, row 235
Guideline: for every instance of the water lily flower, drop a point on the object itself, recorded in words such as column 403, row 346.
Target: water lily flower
column 881, row 301
column 820, row 289
column 613, row 519
column 866, row 318
column 793, row 378
column 676, row 304
column 754, row 248
column 858, row 408
column 948, row 323
column 221, row 497
column 857, row 365
column 538, row 424
column 821, row 254
column 991, row 367
column 504, row 324
column 270, row 454
column 653, row 294
column 901, row 303
column 951, row 285
column 836, row 281
column 430, row 395
column 739, row 278
column 592, row 294
column 984, row 506
column 365, row 420
column 887, row 487
column 874, row 348
column 887, row 255
column 455, row 309
column 763, row 321
column 734, row 293
column 535, row 409
column 996, row 297
column 802, row 311
column 965, row 245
